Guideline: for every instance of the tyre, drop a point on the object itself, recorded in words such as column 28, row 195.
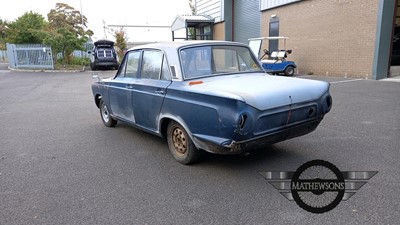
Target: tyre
column 289, row 71
column 92, row 66
column 180, row 145
column 105, row 115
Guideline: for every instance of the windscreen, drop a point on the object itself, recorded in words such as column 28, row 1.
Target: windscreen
column 216, row 60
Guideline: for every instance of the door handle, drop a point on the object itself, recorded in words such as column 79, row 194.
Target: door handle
column 129, row 86
column 160, row 92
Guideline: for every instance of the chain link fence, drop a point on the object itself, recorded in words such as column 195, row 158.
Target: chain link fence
column 30, row 56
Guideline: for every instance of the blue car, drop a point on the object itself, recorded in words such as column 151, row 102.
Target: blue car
column 208, row 96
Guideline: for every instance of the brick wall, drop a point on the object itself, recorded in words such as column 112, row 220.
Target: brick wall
column 219, row 31
column 329, row 37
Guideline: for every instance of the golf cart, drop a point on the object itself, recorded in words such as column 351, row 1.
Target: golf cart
column 276, row 62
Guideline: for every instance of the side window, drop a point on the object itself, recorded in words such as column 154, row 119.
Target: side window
column 152, row 64
column 132, row 64
column 122, row 68
column 165, row 74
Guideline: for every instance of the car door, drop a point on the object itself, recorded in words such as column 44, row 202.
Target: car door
column 151, row 88
column 121, row 87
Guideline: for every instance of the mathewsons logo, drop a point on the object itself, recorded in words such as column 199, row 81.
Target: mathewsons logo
column 318, row 186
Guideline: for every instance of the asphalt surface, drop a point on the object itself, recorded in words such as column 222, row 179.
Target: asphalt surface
column 60, row 165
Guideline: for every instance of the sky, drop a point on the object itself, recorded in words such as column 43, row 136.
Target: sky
column 112, row 12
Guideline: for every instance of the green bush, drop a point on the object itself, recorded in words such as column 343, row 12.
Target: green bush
column 76, row 61
column 80, row 61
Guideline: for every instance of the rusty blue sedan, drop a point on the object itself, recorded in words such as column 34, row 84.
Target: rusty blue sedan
column 208, row 96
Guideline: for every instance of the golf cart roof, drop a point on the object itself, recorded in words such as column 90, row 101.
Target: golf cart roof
column 269, row 38
column 256, row 43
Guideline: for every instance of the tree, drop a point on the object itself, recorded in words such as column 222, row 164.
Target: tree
column 120, row 42
column 192, row 7
column 66, row 31
column 3, row 30
column 28, row 28
column 67, row 17
column 192, row 30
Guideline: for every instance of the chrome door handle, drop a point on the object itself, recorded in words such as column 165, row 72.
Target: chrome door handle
column 160, row 92
column 130, row 86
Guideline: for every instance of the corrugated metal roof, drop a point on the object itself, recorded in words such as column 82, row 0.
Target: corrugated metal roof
column 181, row 21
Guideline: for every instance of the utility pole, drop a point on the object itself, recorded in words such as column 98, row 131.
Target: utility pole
column 83, row 32
column 104, row 29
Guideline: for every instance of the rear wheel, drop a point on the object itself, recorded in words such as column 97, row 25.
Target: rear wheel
column 180, row 144
column 289, row 71
column 105, row 115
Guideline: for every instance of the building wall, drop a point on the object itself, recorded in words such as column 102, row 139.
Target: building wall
column 209, row 7
column 219, row 31
column 334, row 37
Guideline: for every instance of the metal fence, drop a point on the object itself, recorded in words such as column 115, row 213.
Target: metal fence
column 77, row 54
column 30, row 56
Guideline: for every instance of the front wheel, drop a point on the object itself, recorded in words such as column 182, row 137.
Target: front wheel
column 180, row 144
column 105, row 115
column 289, row 71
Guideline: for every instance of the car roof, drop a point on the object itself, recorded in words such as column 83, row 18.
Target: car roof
column 171, row 49
column 168, row 45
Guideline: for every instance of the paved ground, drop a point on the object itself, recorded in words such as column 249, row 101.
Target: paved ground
column 60, row 165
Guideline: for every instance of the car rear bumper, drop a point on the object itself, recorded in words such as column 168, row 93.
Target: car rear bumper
column 105, row 63
column 226, row 146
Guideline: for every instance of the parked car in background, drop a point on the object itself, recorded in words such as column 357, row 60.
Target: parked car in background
column 103, row 55
column 209, row 95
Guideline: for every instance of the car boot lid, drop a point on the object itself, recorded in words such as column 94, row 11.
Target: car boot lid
column 262, row 91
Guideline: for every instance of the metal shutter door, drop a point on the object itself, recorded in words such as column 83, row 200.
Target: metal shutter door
column 247, row 20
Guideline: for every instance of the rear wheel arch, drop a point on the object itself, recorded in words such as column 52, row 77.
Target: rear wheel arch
column 167, row 120
column 164, row 126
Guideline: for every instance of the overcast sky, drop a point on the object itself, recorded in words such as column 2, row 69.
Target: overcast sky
column 113, row 12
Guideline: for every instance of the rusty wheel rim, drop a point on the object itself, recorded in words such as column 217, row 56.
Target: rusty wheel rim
column 179, row 141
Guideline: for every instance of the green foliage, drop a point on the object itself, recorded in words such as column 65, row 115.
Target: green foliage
column 120, row 42
column 80, row 61
column 192, row 30
column 192, row 7
column 69, row 18
column 3, row 30
column 64, row 41
column 76, row 61
column 66, row 31
column 28, row 28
